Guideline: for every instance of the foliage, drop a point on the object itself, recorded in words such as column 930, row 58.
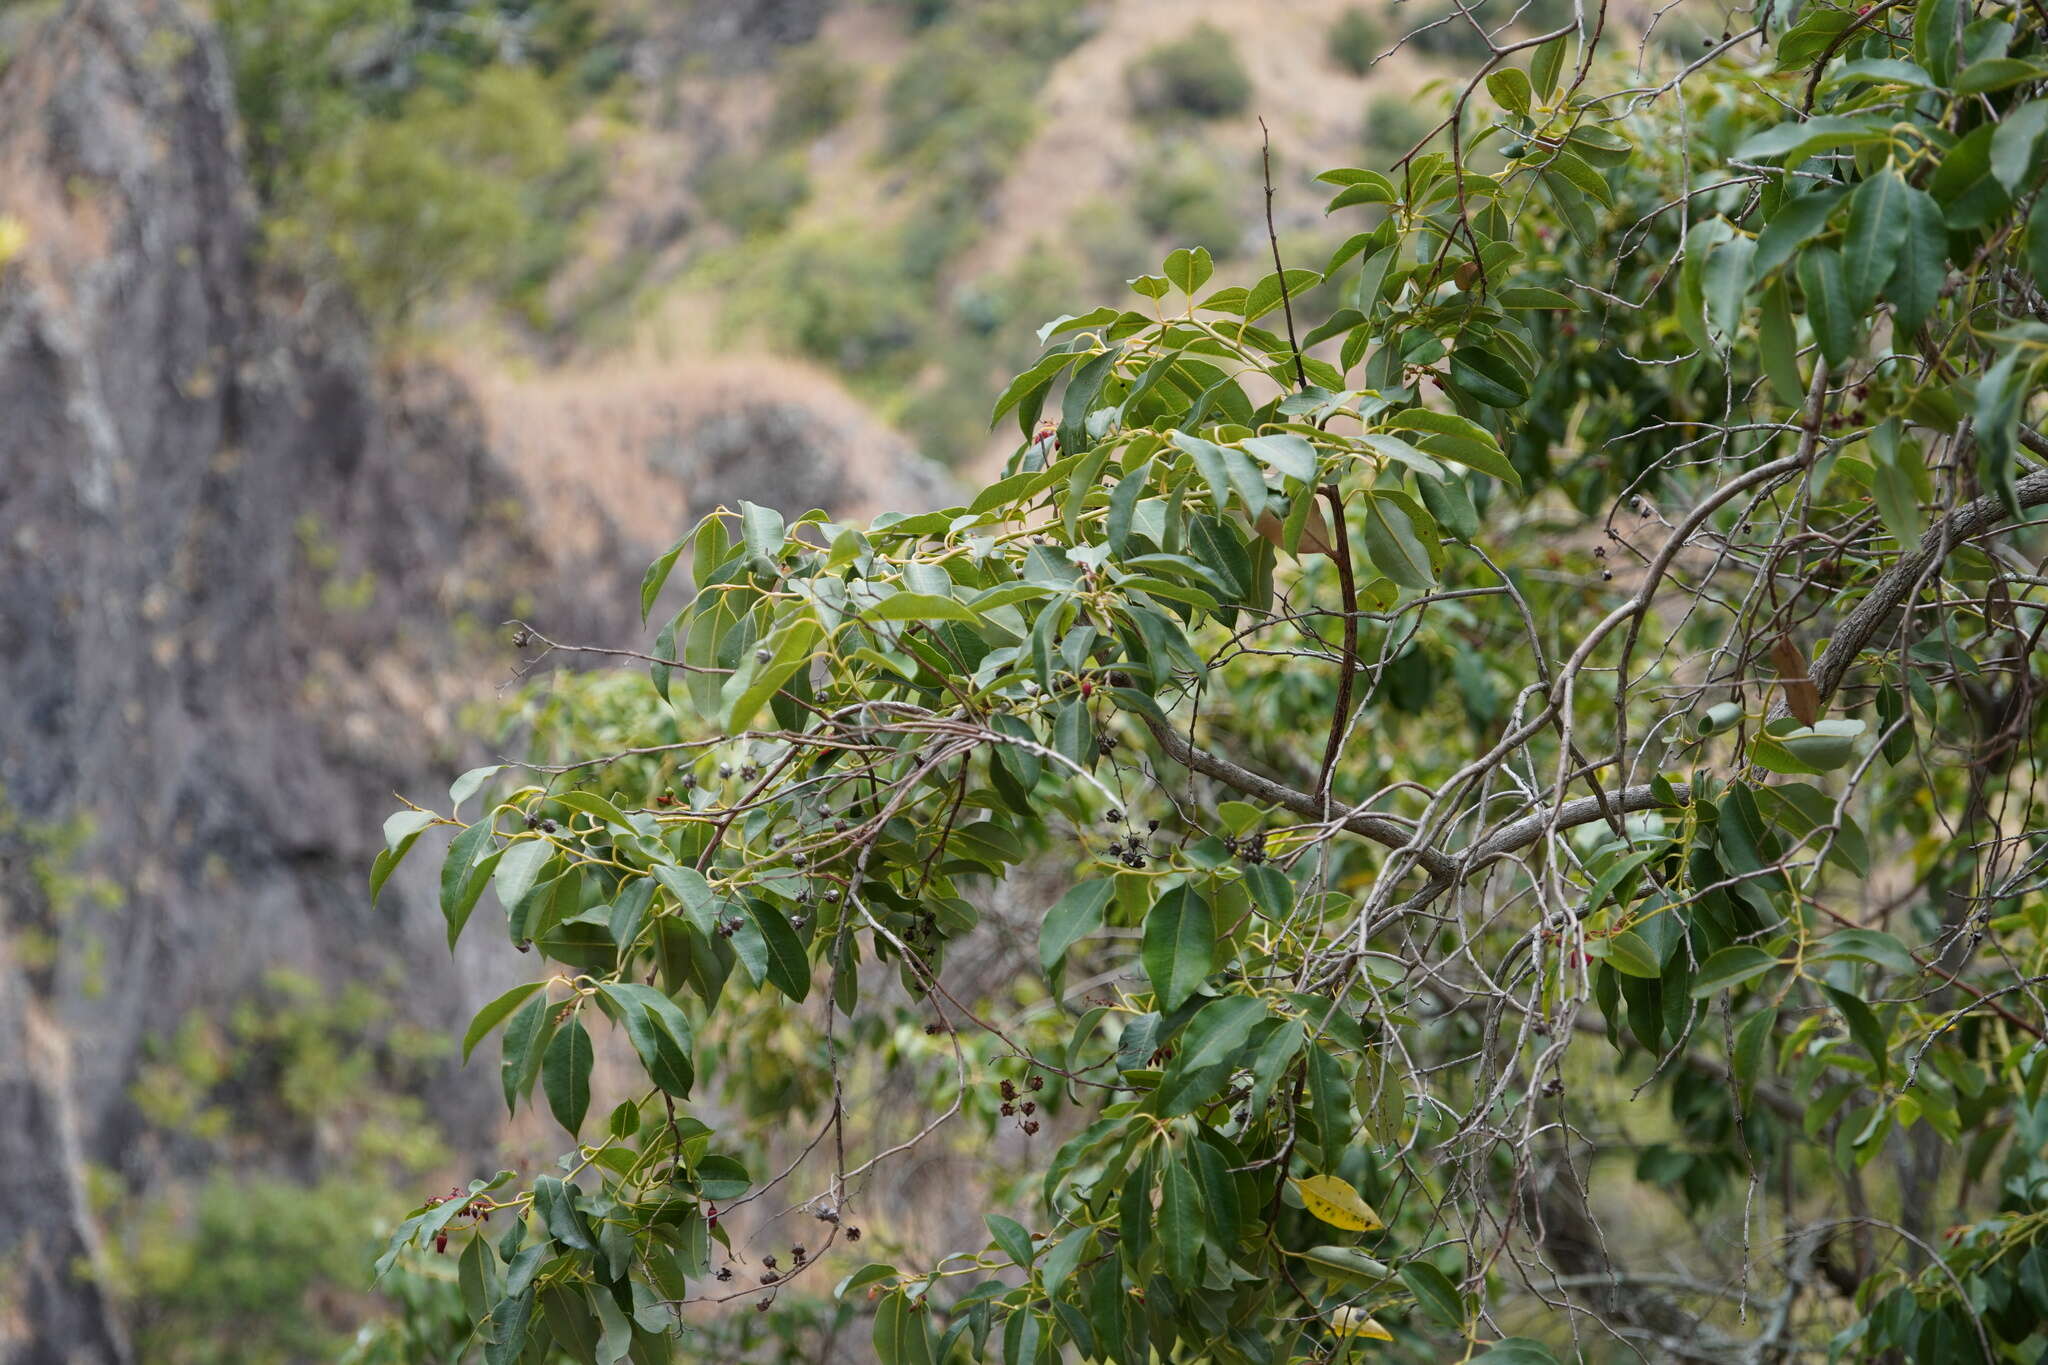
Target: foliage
column 1186, row 193
column 1394, row 125
column 814, row 93
column 254, row 1264
column 417, row 147
column 1356, row 40
column 1198, row 75
column 1596, row 662
column 750, row 192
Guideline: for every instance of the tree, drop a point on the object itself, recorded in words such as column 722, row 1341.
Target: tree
column 1594, row 664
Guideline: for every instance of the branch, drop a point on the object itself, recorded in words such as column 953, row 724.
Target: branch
column 1965, row 523
column 1375, row 827
column 1286, row 303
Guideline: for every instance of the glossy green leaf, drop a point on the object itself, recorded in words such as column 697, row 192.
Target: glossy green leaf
column 565, row 1074
column 1179, row 950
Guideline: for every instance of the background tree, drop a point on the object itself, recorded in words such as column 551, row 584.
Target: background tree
column 1589, row 662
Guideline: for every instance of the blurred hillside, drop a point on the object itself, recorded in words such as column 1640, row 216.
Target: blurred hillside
column 333, row 333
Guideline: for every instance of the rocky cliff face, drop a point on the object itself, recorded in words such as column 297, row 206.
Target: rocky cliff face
column 248, row 574
column 231, row 552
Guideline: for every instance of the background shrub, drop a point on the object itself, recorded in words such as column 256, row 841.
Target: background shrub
column 1355, row 40
column 750, row 192
column 813, row 94
column 1199, row 76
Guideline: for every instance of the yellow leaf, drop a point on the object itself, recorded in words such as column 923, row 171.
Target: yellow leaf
column 13, row 237
column 1356, row 1322
column 1336, row 1203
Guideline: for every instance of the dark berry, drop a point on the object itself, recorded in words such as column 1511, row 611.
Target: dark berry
column 853, row 1234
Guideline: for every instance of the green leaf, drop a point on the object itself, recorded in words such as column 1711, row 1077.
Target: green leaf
column 1777, row 347
column 1218, row 1030
column 660, row 1032
column 493, row 1014
column 522, row 1049
column 1864, row 1028
column 656, row 575
column 1435, row 1292
column 1189, row 270
column 1076, row 915
column 1488, row 378
column 1996, row 73
column 1042, row 373
column 1878, row 71
column 1818, row 748
column 1730, row 968
column 1922, row 267
column 464, row 871
column 1545, row 64
column 1750, row 1041
column 1450, row 503
column 1934, row 37
column 1795, row 223
column 1023, row 1334
column 1208, row 458
column 1827, row 304
column 1723, row 282
column 1457, row 439
column 1286, row 453
column 1060, row 1262
column 2037, row 241
column 1797, row 141
column 900, row 1333
column 1867, row 945
column 1179, row 949
column 565, row 1074
column 1510, row 89
column 1371, row 188
column 554, row 1204
column 1876, row 231
column 754, row 683
column 1011, row 1238
column 762, row 529
column 1627, row 952
column 509, row 1319
column 467, row 785
column 1346, row 1265
column 2001, row 396
column 519, row 869
column 1582, row 177
column 1180, row 1225
column 2013, row 145
column 1084, row 391
column 789, row 968
column 874, row 1272
column 1391, row 541
column 400, row 832
column 1400, row 452
column 920, row 606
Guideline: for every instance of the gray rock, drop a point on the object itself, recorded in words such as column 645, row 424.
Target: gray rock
column 177, row 683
